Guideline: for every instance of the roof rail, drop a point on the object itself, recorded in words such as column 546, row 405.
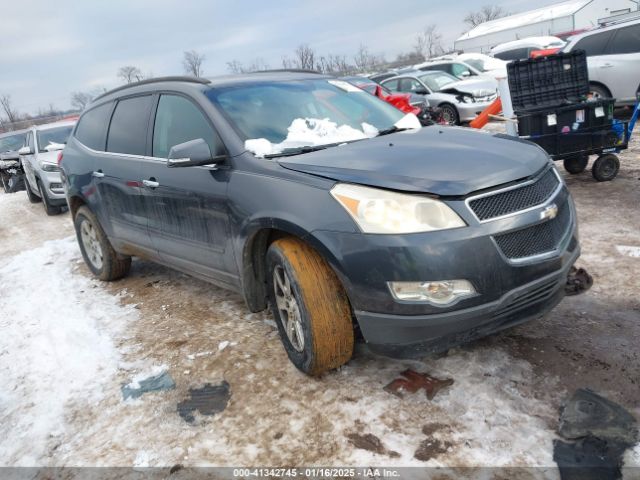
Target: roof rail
column 175, row 78
column 622, row 18
column 290, row 70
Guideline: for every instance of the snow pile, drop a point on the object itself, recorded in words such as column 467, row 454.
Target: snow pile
column 56, row 346
column 53, row 146
column 305, row 132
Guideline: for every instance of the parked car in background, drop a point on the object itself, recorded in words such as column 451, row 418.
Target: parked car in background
column 406, row 102
column 613, row 59
column 307, row 194
column 379, row 77
column 521, row 49
column 11, row 173
column 458, row 69
column 459, row 100
column 39, row 157
column 490, row 66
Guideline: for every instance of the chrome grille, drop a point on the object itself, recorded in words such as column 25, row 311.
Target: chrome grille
column 516, row 199
column 538, row 239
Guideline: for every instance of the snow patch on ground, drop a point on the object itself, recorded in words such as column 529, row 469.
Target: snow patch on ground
column 629, row 251
column 56, row 345
column 310, row 132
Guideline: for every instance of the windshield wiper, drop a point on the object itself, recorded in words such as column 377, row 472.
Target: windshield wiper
column 390, row 130
column 299, row 150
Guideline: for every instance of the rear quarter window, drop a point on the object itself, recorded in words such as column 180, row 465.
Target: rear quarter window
column 129, row 123
column 92, row 127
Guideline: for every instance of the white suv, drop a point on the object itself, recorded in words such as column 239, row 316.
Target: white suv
column 613, row 56
column 39, row 158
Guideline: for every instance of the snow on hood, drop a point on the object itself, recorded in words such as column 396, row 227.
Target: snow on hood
column 310, row 132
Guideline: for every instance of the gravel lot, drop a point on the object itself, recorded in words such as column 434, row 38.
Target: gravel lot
column 73, row 342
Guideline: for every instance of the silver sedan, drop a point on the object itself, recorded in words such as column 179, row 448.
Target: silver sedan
column 460, row 100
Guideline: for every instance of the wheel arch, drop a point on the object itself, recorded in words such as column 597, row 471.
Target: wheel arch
column 601, row 85
column 253, row 251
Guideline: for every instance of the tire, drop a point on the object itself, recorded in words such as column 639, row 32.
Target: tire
column 110, row 266
column 577, row 164
column 450, row 114
column 322, row 339
column 606, row 167
column 5, row 183
column 598, row 91
column 33, row 198
column 49, row 209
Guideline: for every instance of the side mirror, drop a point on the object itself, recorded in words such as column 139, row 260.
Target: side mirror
column 192, row 153
column 465, row 74
column 421, row 91
column 25, row 151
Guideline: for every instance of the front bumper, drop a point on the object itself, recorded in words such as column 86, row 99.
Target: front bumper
column 469, row 111
column 404, row 336
column 56, row 195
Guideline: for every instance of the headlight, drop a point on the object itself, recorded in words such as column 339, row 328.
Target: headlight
column 382, row 211
column 440, row 293
column 49, row 167
column 467, row 99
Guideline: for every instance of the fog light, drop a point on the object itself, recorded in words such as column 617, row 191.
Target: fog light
column 55, row 186
column 444, row 292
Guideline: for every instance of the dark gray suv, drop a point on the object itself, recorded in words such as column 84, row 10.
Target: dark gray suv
column 303, row 192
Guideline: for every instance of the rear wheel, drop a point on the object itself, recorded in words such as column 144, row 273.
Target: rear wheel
column 450, row 114
column 33, row 198
column 606, row 167
column 46, row 203
column 98, row 254
column 577, row 164
column 310, row 307
column 598, row 91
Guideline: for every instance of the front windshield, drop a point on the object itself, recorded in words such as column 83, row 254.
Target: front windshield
column 436, row 81
column 11, row 143
column 53, row 136
column 298, row 113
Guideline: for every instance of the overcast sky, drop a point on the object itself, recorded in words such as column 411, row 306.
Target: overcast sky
column 49, row 49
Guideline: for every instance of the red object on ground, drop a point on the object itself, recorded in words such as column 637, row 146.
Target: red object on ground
column 414, row 381
column 482, row 119
column 399, row 100
column 543, row 53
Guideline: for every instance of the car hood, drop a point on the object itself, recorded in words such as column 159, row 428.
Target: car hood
column 478, row 87
column 9, row 155
column 445, row 161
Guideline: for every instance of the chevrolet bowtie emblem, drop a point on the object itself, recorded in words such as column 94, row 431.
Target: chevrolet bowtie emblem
column 549, row 212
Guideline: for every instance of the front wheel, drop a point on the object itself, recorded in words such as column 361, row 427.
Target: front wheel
column 450, row 114
column 310, row 307
column 33, row 198
column 606, row 167
column 98, row 254
column 46, row 203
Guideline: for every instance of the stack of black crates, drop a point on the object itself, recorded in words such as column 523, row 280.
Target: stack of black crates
column 550, row 97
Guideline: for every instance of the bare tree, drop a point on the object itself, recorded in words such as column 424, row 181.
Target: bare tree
column 485, row 14
column 192, row 63
column 79, row 100
column 130, row 74
column 335, row 64
column 364, row 60
column 304, row 57
column 234, row 66
column 429, row 42
column 258, row 65
column 10, row 112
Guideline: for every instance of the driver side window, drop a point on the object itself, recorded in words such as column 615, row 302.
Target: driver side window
column 177, row 121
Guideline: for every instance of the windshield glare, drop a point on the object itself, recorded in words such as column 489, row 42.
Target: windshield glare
column 437, row 80
column 12, row 143
column 52, row 136
column 267, row 110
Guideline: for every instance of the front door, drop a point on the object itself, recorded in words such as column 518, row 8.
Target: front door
column 187, row 207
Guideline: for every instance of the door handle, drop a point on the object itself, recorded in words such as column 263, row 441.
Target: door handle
column 98, row 174
column 606, row 65
column 151, row 183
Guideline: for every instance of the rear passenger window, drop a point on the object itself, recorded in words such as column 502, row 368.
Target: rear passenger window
column 178, row 120
column 392, row 85
column 92, row 127
column 594, row 44
column 128, row 129
column 626, row 40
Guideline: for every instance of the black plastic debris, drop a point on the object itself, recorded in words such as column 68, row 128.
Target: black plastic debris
column 578, row 281
column 602, row 431
column 162, row 381
column 208, row 400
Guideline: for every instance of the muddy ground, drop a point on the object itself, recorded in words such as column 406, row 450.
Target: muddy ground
column 502, row 409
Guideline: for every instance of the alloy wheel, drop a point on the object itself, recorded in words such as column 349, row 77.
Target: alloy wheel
column 288, row 308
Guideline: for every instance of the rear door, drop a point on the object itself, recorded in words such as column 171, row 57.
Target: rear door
column 595, row 47
column 620, row 66
column 187, row 207
column 27, row 161
column 118, row 175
